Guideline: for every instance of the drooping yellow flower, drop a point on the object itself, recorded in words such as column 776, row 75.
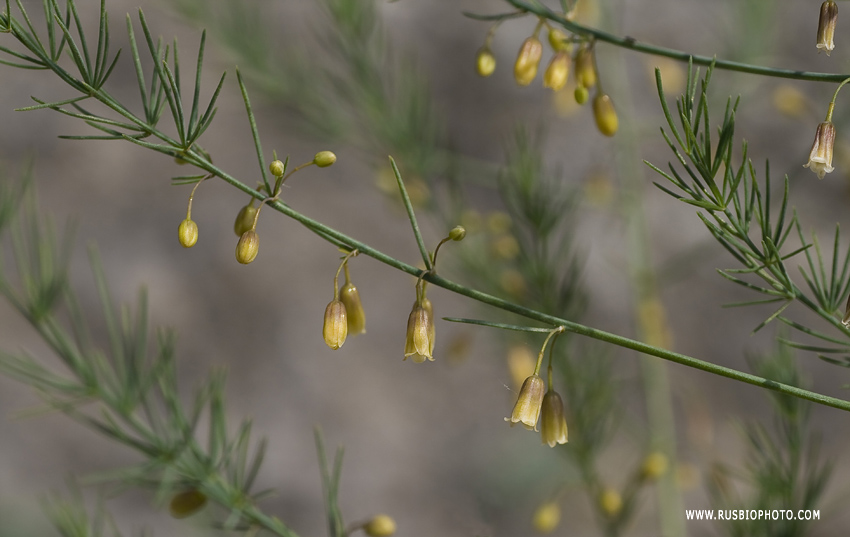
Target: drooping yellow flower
column 553, row 424
column 187, row 233
column 558, row 71
column 605, row 115
column 826, row 26
column 528, row 59
column 820, row 158
column 527, row 407
column 419, row 344
column 335, row 327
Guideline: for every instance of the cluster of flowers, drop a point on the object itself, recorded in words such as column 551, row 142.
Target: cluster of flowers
column 557, row 73
column 245, row 225
column 534, row 399
column 820, row 157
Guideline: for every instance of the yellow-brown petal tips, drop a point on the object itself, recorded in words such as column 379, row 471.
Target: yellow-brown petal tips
column 457, row 233
column 820, row 158
column 485, row 62
column 247, row 247
column 553, row 424
column 585, row 67
column 187, row 233
column 654, row 465
column 419, row 343
column 547, row 517
column 277, row 168
column 527, row 61
column 558, row 71
column 354, row 308
column 335, row 328
column 380, row 526
column 527, row 407
column 187, row 503
column 323, row 159
column 826, row 26
column 245, row 219
column 605, row 115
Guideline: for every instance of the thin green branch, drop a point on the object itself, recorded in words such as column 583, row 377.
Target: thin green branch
column 631, row 43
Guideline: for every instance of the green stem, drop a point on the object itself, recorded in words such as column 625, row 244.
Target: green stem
column 327, row 232
column 631, row 43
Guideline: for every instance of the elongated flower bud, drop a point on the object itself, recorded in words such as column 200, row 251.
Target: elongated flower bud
column 187, row 503
column 485, row 62
column 558, row 71
column 323, row 159
column 585, row 67
column 820, row 158
column 247, row 247
column 553, row 424
column 335, row 328
column 354, row 308
column 525, row 68
column 826, row 26
column 245, row 219
column 187, row 232
column 419, row 343
column 527, row 407
column 605, row 115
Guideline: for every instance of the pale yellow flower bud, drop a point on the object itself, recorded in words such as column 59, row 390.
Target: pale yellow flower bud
column 419, row 344
column 277, row 168
column 187, row 233
column 245, row 219
column 820, row 158
column 354, row 308
column 605, row 115
column 247, row 247
column 558, row 71
column 457, row 233
column 323, row 159
column 525, row 68
column 335, row 328
column 585, row 67
column 485, row 62
column 826, row 26
column 527, row 407
column 187, row 503
column 547, row 517
column 553, row 424
column 558, row 40
column 380, row 526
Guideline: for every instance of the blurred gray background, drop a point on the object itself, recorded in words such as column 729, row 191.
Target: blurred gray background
column 425, row 443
